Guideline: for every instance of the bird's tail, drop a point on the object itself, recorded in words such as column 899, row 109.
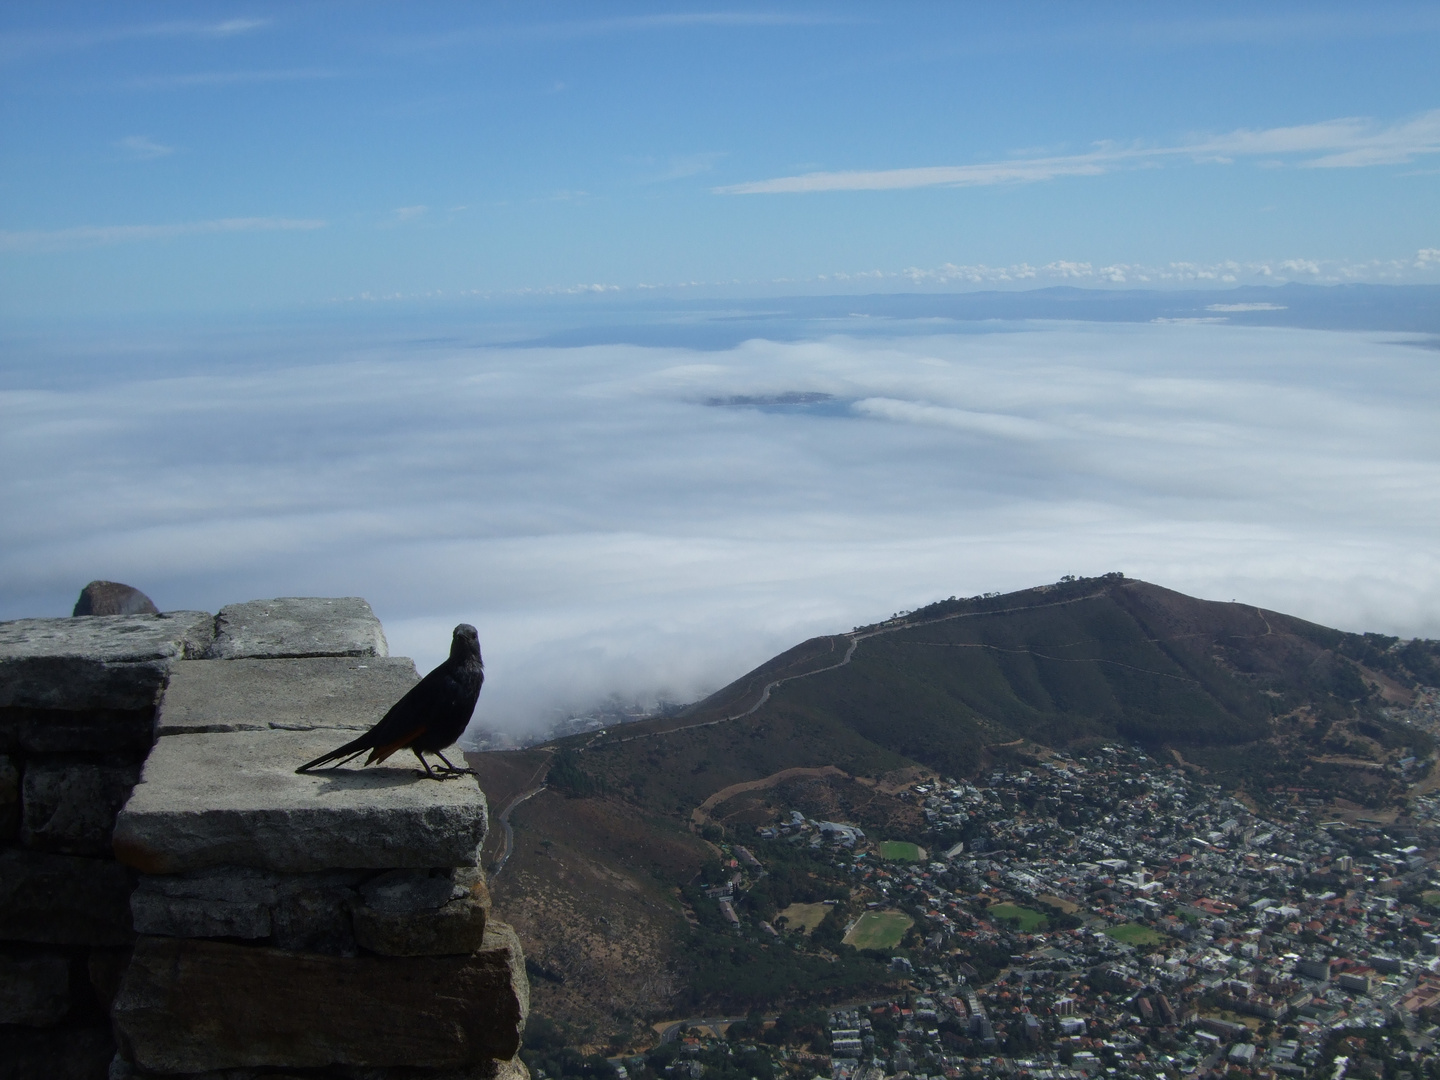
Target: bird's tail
column 352, row 749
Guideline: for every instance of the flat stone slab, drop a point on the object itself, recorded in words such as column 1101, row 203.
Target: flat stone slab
column 337, row 692
column 298, row 626
column 234, row 798
column 115, row 662
column 192, row 1006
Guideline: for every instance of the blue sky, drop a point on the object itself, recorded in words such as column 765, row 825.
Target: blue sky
column 497, row 313
column 194, row 158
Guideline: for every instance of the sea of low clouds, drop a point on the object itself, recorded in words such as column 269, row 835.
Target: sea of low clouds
column 650, row 522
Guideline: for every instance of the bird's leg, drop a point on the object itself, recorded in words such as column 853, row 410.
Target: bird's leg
column 425, row 763
column 452, row 768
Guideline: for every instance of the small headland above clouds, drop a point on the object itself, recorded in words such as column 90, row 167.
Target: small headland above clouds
column 1279, row 709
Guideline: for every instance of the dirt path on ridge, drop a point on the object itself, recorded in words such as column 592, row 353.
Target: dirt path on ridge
column 701, row 814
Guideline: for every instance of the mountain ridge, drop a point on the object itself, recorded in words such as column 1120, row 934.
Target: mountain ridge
column 1274, row 707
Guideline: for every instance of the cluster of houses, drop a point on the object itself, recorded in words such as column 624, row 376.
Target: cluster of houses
column 1108, row 913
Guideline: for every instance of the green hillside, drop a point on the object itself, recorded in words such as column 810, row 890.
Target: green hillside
column 1059, row 665
column 608, row 859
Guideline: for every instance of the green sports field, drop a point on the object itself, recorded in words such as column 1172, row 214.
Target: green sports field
column 804, row 917
column 1029, row 920
column 879, row 930
column 1133, row 934
column 901, row 851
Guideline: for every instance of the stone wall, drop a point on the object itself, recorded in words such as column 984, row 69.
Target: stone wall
column 235, row 919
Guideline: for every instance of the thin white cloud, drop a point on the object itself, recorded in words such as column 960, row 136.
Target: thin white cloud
column 687, row 165
column 190, row 80
column 143, row 148
column 623, row 24
column 21, row 45
column 1341, row 143
column 82, row 236
column 410, row 213
column 992, row 424
column 1224, row 272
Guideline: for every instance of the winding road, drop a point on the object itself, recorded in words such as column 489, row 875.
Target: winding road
column 509, row 832
column 537, row 782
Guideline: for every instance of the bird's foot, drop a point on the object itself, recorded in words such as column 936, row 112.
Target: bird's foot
column 442, row 773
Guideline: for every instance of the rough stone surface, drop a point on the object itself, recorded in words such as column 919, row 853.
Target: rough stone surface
column 106, row 969
column 298, row 626
column 34, row 990
column 453, row 929
column 346, row 693
column 412, row 913
column 298, row 911
column 70, row 805
column 113, row 598
column 189, row 1006
column 64, row 899
column 111, row 662
column 180, row 916
column 9, row 798
column 316, row 920
column 68, row 731
column 56, row 1053
column 234, row 798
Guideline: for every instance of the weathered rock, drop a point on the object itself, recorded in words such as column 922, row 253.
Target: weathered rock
column 300, row 911
column 412, row 913
column 315, row 919
column 346, row 693
column 64, row 899
column 34, row 990
column 234, row 798
column 106, row 968
column 112, row 662
column 298, row 626
column 70, row 805
column 472, row 880
column 85, row 731
column 9, row 798
column 112, row 598
column 189, row 1006
column 452, row 929
column 56, row 1053
column 180, row 916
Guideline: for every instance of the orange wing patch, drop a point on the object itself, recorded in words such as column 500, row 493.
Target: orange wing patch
column 380, row 753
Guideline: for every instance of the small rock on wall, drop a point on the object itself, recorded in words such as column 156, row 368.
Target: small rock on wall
column 112, row 598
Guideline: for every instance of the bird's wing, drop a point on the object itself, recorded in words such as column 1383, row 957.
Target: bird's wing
column 412, row 715
column 406, row 720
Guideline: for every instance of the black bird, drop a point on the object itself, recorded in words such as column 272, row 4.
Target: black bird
column 431, row 715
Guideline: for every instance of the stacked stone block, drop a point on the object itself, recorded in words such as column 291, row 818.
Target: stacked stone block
column 77, row 714
column 257, row 922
